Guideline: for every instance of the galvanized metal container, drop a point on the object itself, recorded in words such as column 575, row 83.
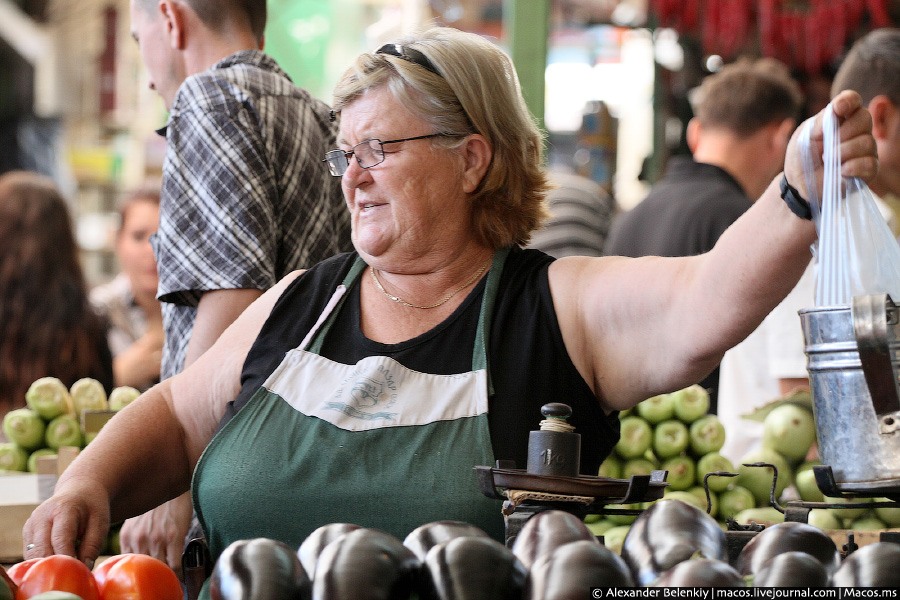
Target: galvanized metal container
column 853, row 359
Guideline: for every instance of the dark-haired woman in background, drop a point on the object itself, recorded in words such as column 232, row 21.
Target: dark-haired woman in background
column 47, row 324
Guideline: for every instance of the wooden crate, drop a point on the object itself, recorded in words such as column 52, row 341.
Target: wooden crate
column 12, row 519
column 20, row 493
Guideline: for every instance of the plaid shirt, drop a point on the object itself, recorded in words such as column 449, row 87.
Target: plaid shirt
column 246, row 197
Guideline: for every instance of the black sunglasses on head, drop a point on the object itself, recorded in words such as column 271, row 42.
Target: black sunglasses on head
column 410, row 55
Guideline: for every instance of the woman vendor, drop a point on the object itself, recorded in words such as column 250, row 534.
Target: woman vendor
column 367, row 388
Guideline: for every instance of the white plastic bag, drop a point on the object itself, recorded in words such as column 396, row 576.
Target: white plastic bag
column 857, row 253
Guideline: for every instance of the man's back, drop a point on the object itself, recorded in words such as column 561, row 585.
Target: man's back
column 246, row 198
column 684, row 213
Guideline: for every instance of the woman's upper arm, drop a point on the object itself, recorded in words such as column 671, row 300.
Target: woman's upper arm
column 201, row 392
column 610, row 314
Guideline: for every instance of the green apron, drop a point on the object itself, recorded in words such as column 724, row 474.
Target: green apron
column 374, row 443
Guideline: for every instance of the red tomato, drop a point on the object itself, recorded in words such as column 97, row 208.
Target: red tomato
column 127, row 576
column 17, row 571
column 60, row 573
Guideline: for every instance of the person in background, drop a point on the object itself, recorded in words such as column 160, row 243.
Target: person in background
column 367, row 388
column 129, row 301
column 744, row 116
column 580, row 214
column 245, row 196
column 771, row 362
column 48, row 327
column 872, row 69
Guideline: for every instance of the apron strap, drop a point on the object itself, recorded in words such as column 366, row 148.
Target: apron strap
column 323, row 324
column 479, row 356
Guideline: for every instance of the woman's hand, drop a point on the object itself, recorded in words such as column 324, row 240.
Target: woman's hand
column 858, row 152
column 74, row 521
column 160, row 532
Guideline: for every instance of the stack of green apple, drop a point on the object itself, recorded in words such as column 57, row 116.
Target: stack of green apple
column 788, row 443
column 673, row 432
column 50, row 419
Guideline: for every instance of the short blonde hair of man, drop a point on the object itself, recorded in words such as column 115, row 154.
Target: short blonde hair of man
column 477, row 91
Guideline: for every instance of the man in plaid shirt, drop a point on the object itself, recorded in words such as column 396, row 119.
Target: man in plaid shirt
column 245, row 199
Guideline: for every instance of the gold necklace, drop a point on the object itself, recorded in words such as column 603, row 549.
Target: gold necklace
column 446, row 299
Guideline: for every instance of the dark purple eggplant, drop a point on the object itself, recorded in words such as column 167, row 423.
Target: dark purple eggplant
column 423, row 538
column 259, row 569
column 873, row 565
column 792, row 569
column 472, row 568
column 572, row 568
column 315, row 542
column 545, row 532
column 700, row 572
column 365, row 564
column 667, row 533
column 787, row 537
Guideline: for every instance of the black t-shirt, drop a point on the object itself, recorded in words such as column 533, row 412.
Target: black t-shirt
column 527, row 359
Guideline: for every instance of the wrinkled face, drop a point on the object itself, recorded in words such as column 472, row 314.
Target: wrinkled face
column 148, row 28
column 413, row 202
column 133, row 246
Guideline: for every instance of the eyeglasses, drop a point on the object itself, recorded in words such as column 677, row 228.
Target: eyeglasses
column 368, row 153
column 410, row 55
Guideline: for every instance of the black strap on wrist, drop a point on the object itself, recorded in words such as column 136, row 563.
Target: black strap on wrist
column 797, row 203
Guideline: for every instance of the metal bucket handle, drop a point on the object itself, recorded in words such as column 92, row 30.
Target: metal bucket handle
column 872, row 315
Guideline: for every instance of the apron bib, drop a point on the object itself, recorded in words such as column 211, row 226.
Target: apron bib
column 372, row 443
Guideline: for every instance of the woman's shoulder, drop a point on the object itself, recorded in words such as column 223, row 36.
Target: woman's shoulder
column 525, row 264
column 320, row 280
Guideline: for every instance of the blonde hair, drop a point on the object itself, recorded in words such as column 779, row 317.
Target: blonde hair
column 475, row 90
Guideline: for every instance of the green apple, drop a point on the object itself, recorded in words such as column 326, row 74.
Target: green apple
column 735, row 500
column 763, row 515
column 805, row 482
column 32, row 460
column 670, row 438
column 823, row 519
column 113, row 542
column 889, row 514
column 122, row 396
column 635, row 437
column 868, row 523
column 686, row 497
column 850, row 513
column 615, row 536
column 712, row 463
column 49, row 398
column 707, row 435
column 25, row 428
column 600, row 527
column 611, row 467
column 624, row 519
column 12, row 457
column 88, row 394
column 759, row 479
column 690, row 403
column 790, row 430
column 63, row 431
column 656, row 409
column 682, row 472
column 700, row 493
column 637, row 466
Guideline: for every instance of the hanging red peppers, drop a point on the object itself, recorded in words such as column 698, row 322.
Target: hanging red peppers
column 804, row 34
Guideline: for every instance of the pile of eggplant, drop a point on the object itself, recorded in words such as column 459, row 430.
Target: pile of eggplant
column 554, row 557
